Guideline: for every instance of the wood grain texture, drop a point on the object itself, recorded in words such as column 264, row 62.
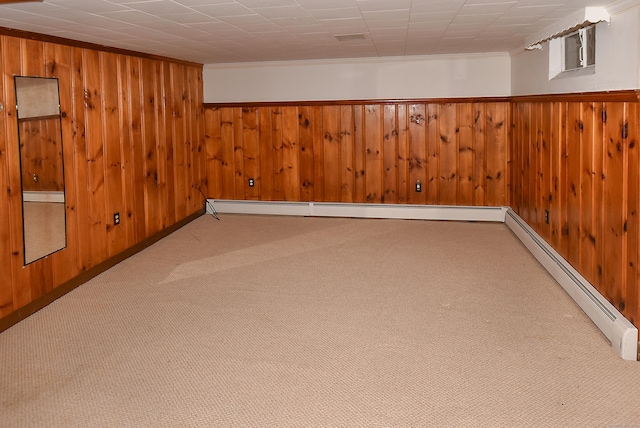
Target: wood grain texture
column 579, row 160
column 373, row 153
column 131, row 130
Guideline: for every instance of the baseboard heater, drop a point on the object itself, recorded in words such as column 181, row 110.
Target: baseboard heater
column 616, row 328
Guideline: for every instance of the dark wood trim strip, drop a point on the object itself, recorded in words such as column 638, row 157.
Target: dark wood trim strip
column 25, row 311
column 610, row 96
column 359, row 102
column 632, row 95
column 37, row 118
column 4, row 31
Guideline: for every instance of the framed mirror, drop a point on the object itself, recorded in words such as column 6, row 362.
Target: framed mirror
column 41, row 166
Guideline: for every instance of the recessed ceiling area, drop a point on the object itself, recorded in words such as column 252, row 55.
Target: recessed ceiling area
column 230, row 31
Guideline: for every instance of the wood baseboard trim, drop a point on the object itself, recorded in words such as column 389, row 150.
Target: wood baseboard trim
column 43, row 301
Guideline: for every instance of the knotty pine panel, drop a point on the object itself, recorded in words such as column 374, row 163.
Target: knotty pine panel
column 305, row 121
column 6, row 222
column 578, row 158
column 41, row 154
column 133, row 142
column 360, row 152
column 417, row 162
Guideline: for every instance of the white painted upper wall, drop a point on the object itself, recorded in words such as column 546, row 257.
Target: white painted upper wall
column 449, row 76
column 443, row 76
column 617, row 62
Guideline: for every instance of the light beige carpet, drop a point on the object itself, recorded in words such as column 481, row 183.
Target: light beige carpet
column 257, row 321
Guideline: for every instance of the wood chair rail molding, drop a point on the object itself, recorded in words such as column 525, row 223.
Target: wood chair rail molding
column 631, row 95
column 317, row 103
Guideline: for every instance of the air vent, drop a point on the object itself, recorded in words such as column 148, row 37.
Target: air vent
column 348, row 37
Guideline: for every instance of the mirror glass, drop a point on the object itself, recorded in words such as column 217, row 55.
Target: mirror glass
column 40, row 140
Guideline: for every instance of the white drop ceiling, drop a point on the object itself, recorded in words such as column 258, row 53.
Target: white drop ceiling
column 229, row 31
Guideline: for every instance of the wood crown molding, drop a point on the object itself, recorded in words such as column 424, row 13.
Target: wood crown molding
column 11, row 32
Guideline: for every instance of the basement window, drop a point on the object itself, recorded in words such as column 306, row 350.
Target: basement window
column 573, row 54
column 579, row 49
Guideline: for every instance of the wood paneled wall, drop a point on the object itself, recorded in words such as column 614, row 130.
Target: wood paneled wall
column 41, row 154
column 373, row 152
column 575, row 160
column 133, row 140
column 570, row 158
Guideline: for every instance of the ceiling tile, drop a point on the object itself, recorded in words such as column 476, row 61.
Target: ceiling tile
column 261, row 30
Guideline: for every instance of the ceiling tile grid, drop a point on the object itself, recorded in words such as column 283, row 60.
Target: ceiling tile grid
column 221, row 31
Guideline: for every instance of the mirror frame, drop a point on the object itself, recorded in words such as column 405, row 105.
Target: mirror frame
column 32, row 104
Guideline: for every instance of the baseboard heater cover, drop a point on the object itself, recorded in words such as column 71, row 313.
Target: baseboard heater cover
column 621, row 333
column 337, row 209
column 616, row 328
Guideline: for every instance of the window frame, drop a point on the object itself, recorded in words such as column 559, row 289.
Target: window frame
column 586, row 53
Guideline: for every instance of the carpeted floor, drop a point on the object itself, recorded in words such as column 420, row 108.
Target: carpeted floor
column 258, row 321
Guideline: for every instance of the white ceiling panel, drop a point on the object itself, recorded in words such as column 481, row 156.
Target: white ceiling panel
column 218, row 31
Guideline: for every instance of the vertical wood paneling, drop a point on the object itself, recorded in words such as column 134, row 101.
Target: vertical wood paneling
column 227, row 156
column 40, row 140
column 594, row 188
column 94, row 155
column 290, row 154
column 545, row 199
column 213, row 144
column 331, row 150
column 390, row 153
column 251, row 156
column 588, row 204
column 497, row 126
column 374, row 153
column 278, row 154
column 305, row 124
column 193, row 128
column 431, row 162
column 552, row 125
column 448, row 174
column 629, row 135
column 418, row 156
column 113, row 188
column 114, row 129
column 6, row 259
column 614, row 201
column 574, row 168
column 25, row 280
column 465, row 191
column 59, row 65
column 149, row 133
column 404, row 186
column 266, row 153
column 347, row 176
column 479, row 146
column 136, row 171
column 318, row 154
column 238, row 153
column 80, row 165
column 178, row 148
column 362, row 152
column 359, row 158
column 164, row 145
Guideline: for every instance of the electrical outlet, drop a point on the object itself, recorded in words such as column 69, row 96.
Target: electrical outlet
column 116, row 219
column 252, row 182
column 546, row 216
column 418, row 186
